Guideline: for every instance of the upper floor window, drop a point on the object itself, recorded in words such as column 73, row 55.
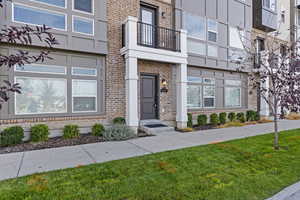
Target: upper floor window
column 236, row 37
column 212, row 30
column 86, row 6
column 83, row 25
column 59, row 3
column 270, row 4
column 37, row 16
column 195, row 26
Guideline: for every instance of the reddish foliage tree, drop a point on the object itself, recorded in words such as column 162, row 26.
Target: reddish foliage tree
column 22, row 35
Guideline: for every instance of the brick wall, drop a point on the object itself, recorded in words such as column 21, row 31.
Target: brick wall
column 118, row 11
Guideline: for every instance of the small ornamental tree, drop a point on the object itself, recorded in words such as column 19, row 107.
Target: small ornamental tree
column 22, row 35
column 273, row 75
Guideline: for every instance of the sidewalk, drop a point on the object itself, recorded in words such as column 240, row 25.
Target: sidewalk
column 25, row 163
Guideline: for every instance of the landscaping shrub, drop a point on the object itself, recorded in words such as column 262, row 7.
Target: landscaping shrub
column 232, row 116
column 256, row 116
column 70, row 131
column 241, row 117
column 39, row 133
column 118, row 132
column 119, row 120
column 250, row 115
column 97, row 130
column 190, row 120
column 214, row 120
column 202, row 120
column 11, row 136
column 222, row 117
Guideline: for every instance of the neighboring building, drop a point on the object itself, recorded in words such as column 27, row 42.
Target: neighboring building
column 150, row 59
column 272, row 30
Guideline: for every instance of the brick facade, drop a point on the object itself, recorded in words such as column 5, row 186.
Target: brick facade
column 117, row 12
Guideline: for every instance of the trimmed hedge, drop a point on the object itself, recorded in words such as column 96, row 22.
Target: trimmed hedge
column 241, row 117
column 11, row 136
column 119, row 120
column 214, row 119
column 39, row 133
column 202, row 120
column 190, row 120
column 118, row 132
column 97, row 130
column 71, row 131
column 232, row 116
column 222, row 117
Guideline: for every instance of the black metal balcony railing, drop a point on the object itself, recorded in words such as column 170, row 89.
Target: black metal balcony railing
column 158, row 37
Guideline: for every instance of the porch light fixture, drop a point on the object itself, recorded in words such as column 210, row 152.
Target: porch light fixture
column 164, row 86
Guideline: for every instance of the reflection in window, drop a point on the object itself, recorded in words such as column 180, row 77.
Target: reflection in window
column 196, row 47
column 212, row 31
column 84, row 71
column 83, row 25
column 59, row 3
column 41, row 95
column 84, row 93
column 195, row 26
column 194, row 96
column 233, row 93
column 35, row 68
column 236, row 38
column 37, row 16
column 83, row 5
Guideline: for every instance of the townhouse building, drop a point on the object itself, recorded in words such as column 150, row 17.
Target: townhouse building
column 142, row 60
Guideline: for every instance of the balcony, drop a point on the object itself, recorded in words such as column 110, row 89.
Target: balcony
column 158, row 37
column 263, row 18
column 153, row 42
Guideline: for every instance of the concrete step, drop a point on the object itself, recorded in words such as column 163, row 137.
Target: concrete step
column 152, row 127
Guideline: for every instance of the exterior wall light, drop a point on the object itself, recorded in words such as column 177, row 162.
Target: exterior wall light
column 164, row 86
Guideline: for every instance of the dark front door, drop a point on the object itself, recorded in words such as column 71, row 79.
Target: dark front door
column 149, row 103
column 148, row 26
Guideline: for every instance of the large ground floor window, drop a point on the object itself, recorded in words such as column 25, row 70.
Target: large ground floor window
column 50, row 89
column 209, row 89
column 201, row 92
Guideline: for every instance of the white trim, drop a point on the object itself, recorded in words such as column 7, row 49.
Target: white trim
column 43, row 113
column 96, row 97
column 49, row 4
column 84, row 74
column 84, row 18
column 42, row 9
column 43, row 65
column 75, row 10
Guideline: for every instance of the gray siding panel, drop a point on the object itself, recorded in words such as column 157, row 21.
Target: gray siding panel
column 227, row 13
column 68, row 38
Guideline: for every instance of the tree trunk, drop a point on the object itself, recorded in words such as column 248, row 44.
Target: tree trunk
column 276, row 133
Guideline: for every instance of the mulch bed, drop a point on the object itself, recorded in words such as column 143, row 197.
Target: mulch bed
column 206, row 127
column 51, row 143
column 56, row 142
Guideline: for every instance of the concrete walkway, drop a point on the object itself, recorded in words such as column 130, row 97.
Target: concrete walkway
column 25, row 163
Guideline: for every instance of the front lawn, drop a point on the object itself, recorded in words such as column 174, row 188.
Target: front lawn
column 246, row 169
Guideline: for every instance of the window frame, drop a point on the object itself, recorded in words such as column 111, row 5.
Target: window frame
column 44, row 113
column 85, row 18
column 49, row 4
column 213, row 31
column 43, row 9
column 96, row 96
column 202, row 85
column 84, row 12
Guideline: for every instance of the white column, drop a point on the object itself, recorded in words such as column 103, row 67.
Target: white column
column 131, row 32
column 131, row 79
column 181, row 87
column 264, row 107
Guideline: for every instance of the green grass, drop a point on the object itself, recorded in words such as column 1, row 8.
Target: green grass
column 246, row 169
